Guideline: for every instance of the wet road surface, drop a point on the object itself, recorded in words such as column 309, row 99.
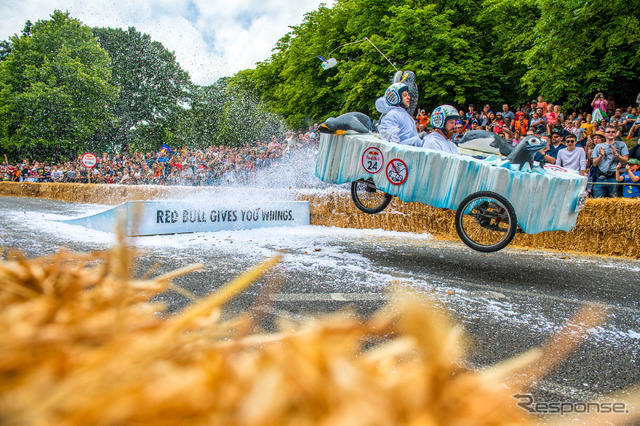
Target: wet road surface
column 509, row 301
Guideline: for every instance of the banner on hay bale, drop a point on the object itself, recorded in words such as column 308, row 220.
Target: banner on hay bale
column 175, row 217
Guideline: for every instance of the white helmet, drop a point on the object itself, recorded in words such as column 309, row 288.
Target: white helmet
column 441, row 114
column 393, row 95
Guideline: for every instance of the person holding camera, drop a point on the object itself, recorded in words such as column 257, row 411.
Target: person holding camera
column 606, row 157
column 599, row 105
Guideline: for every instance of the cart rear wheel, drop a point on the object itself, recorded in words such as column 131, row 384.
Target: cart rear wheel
column 486, row 221
column 368, row 198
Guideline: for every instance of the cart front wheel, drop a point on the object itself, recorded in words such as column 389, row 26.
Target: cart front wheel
column 368, row 198
column 486, row 221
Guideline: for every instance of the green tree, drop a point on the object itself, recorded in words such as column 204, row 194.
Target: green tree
column 54, row 89
column 154, row 91
column 580, row 48
column 454, row 54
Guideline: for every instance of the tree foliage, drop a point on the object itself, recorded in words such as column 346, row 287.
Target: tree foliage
column 55, row 89
column 226, row 113
column 580, row 48
column 462, row 51
column 154, row 90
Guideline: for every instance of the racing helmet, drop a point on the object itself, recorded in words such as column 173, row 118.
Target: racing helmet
column 441, row 114
column 393, row 95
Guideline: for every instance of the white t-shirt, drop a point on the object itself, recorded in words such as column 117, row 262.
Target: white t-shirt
column 574, row 160
column 435, row 140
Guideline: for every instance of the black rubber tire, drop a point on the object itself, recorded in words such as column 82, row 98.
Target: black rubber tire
column 492, row 219
column 360, row 189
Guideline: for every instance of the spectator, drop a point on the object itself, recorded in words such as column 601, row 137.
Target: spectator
column 573, row 157
column 634, row 152
column 551, row 118
column 521, row 124
column 599, row 105
column 550, row 152
column 506, row 113
column 459, row 132
column 617, row 115
column 538, row 123
column 631, row 176
column 471, row 115
column 559, row 115
column 587, row 125
column 630, row 119
column 534, row 108
column 633, row 129
column 606, row 157
column 422, row 118
column 484, row 116
column 542, row 104
column 422, row 132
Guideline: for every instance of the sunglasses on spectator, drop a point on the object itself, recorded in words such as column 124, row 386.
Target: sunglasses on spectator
column 610, row 131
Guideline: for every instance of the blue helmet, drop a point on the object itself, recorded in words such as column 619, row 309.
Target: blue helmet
column 393, row 95
column 441, row 114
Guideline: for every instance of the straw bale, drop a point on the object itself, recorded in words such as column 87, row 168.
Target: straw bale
column 83, row 343
column 604, row 227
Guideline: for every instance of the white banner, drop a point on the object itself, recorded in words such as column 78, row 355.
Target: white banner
column 175, row 217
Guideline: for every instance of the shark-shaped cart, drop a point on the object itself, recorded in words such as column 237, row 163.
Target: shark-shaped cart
column 493, row 198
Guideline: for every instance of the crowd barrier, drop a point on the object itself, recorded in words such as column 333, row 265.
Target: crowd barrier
column 604, row 227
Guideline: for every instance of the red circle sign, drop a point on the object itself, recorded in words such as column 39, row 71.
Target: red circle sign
column 372, row 160
column 89, row 160
column 397, row 171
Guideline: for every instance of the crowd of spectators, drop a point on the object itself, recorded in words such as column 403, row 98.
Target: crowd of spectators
column 586, row 135
column 215, row 165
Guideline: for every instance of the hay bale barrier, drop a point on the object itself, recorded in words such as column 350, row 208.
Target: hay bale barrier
column 608, row 227
column 83, row 343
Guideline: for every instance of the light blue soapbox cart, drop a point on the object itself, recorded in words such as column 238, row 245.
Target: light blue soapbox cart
column 493, row 199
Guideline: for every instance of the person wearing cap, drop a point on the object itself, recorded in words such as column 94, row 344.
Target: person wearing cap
column 605, row 157
column 550, row 153
column 521, row 124
column 422, row 118
column 630, row 176
column 397, row 125
column 573, row 157
column 471, row 115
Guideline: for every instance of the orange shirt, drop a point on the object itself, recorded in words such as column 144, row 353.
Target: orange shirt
column 521, row 126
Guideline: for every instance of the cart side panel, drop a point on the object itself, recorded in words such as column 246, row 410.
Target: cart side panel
column 544, row 200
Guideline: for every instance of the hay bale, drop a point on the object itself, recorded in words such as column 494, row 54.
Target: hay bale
column 83, row 344
column 604, row 227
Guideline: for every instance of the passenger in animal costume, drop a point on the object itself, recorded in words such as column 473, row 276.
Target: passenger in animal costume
column 397, row 125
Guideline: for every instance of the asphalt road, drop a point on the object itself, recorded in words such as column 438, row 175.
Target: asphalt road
column 509, row 301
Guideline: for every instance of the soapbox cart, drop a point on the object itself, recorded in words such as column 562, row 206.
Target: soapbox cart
column 492, row 198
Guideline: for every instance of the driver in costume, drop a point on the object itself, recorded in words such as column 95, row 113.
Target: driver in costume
column 397, row 125
column 443, row 119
